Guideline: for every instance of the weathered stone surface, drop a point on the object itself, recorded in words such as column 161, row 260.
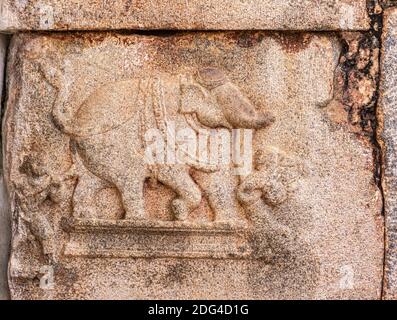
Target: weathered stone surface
column 4, row 213
column 184, row 14
column 4, row 241
column 91, row 217
column 3, row 42
column 388, row 3
column 388, row 134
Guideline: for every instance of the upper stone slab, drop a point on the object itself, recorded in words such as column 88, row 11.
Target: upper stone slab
column 183, row 14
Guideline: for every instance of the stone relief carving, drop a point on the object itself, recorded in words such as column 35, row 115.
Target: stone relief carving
column 108, row 173
column 75, row 134
column 37, row 192
column 104, row 168
column 270, row 185
column 209, row 100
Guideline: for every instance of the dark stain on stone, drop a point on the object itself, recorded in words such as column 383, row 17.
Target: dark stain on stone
column 29, row 168
column 356, row 81
column 249, row 39
column 294, row 42
column 127, row 5
column 177, row 272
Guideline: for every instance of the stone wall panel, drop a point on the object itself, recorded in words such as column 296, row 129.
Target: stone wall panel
column 93, row 219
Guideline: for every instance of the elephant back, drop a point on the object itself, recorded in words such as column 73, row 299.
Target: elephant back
column 107, row 108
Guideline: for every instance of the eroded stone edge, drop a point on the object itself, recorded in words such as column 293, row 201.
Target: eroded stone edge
column 387, row 133
column 5, row 233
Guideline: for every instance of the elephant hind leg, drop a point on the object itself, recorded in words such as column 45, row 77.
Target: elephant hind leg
column 133, row 200
column 189, row 194
column 130, row 184
column 84, row 195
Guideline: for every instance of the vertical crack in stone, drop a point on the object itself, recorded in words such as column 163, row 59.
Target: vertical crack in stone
column 376, row 15
column 357, row 84
column 375, row 35
column 3, row 92
column 386, row 137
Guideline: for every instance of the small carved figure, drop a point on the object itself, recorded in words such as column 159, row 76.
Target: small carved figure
column 273, row 179
column 268, row 187
column 37, row 189
column 262, row 194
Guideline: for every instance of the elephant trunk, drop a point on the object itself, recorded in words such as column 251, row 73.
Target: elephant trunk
column 238, row 110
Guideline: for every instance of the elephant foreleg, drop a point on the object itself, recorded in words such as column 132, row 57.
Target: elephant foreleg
column 220, row 188
column 189, row 194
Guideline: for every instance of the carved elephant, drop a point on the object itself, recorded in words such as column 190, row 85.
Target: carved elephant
column 108, row 129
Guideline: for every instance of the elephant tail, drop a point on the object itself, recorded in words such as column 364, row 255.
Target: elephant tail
column 62, row 118
column 62, row 113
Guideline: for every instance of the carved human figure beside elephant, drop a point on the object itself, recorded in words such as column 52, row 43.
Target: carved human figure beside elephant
column 108, row 128
column 268, row 187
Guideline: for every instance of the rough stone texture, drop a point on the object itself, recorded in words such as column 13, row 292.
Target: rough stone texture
column 305, row 223
column 388, row 135
column 4, row 212
column 184, row 14
column 388, row 3
column 4, row 241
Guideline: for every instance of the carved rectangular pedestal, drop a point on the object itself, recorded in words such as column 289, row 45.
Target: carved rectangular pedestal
column 123, row 239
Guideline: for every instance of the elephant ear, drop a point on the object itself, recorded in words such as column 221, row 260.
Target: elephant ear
column 193, row 96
